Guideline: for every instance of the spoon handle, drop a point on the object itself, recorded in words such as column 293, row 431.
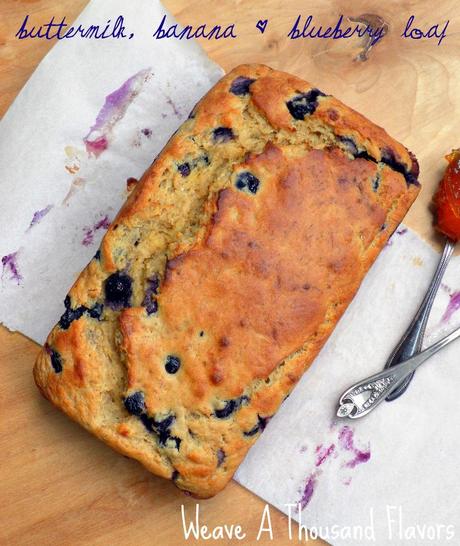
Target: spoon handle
column 411, row 342
column 364, row 396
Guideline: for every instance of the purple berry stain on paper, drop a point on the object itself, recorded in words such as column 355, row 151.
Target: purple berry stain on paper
column 89, row 232
column 323, row 453
column 346, row 442
column 97, row 146
column 452, row 307
column 401, row 231
column 113, row 110
column 359, row 458
column 141, row 135
column 446, row 288
column 308, row 491
column 10, row 267
column 38, row 216
column 173, row 106
column 346, row 438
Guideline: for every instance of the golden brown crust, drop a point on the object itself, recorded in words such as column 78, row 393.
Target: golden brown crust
column 235, row 254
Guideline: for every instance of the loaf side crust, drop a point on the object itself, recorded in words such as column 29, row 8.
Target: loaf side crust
column 224, row 273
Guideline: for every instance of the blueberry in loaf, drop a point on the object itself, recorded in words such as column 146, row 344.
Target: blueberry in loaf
column 224, row 273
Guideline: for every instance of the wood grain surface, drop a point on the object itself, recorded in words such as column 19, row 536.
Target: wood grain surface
column 61, row 486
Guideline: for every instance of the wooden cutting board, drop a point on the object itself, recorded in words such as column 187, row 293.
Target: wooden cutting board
column 61, row 486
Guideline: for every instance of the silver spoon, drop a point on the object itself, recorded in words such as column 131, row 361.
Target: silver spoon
column 411, row 342
column 364, row 396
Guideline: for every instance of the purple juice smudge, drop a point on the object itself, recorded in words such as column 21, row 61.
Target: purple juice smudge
column 97, row 146
column 401, row 231
column 452, row 307
column 147, row 132
column 114, row 108
column 346, row 442
column 308, row 491
column 88, row 238
column 346, row 438
column 303, row 449
column 333, row 425
column 347, row 481
column 104, row 223
column 173, row 106
column 38, row 216
column 10, row 263
column 323, row 453
column 360, row 458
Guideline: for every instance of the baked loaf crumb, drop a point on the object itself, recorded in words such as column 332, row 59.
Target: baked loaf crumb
column 224, row 273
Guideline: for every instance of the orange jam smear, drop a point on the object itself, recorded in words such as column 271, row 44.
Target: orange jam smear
column 447, row 198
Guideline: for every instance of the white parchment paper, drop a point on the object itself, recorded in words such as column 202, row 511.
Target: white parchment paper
column 94, row 114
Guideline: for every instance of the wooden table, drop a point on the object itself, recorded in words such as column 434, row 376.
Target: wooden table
column 59, row 485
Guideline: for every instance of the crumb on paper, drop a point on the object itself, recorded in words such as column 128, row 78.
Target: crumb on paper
column 76, row 184
column 10, row 269
column 417, row 261
column 131, row 184
column 72, row 165
column 73, row 169
column 89, row 232
column 38, row 216
column 112, row 111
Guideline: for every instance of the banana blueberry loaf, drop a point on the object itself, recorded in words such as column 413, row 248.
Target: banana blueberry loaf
column 224, row 273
